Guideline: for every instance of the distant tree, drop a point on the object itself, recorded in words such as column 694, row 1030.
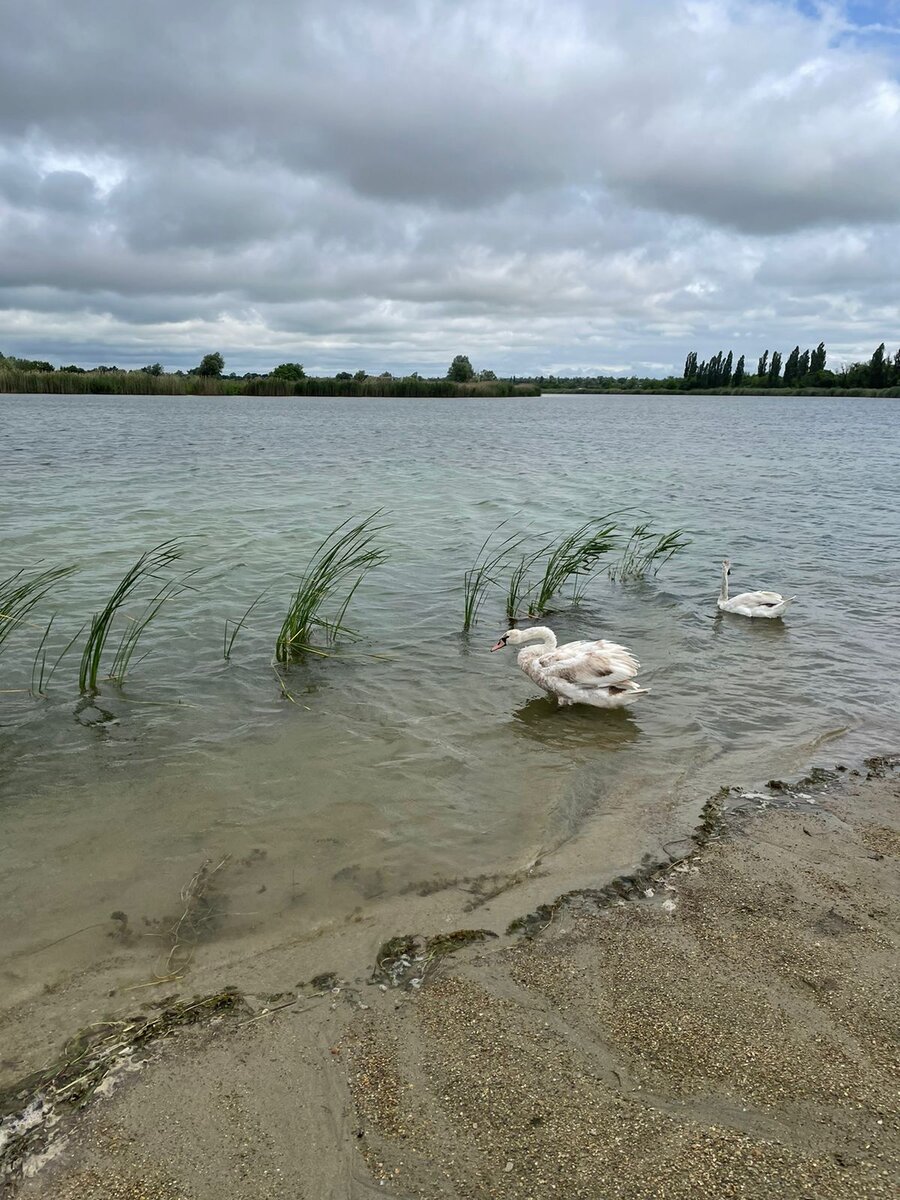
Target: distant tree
column 486, row 376
column 726, row 370
column 210, row 364
column 876, row 368
column 290, row 371
column 792, row 366
column 153, row 369
column 73, row 370
column 762, row 367
column 385, row 375
column 361, row 376
column 343, row 375
column 817, row 359
column 460, row 370
column 738, row 378
column 775, row 367
column 690, row 366
column 803, row 369
column 33, row 364
column 896, row 378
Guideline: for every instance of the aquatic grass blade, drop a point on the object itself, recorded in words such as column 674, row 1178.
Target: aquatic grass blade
column 39, row 666
column 647, row 551
column 228, row 642
column 482, row 574
column 574, row 555
column 146, row 567
column 19, row 594
column 333, row 574
column 519, row 588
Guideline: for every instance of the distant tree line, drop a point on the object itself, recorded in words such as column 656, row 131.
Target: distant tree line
column 208, row 378
column 801, row 369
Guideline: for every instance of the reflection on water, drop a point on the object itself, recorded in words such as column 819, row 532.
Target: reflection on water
column 577, row 728
column 418, row 754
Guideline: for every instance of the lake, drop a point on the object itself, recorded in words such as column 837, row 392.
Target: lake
column 414, row 763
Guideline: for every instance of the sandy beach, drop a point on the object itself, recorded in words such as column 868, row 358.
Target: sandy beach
column 722, row 1025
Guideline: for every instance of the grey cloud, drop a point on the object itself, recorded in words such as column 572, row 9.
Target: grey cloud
column 553, row 179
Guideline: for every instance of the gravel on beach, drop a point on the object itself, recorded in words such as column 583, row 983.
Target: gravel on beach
column 733, row 1033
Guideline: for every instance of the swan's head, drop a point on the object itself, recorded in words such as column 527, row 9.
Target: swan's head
column 512, row 636
column 726, row 566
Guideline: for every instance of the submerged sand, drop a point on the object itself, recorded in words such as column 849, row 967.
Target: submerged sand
column 732, row 1032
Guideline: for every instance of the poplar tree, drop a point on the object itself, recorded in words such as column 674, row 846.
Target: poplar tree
column 792, row 366
column 876, row 368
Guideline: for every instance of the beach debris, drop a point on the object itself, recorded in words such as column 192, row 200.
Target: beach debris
column 406, row 961
column 89, row 1065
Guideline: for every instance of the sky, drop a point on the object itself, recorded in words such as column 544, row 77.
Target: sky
column 569, row 187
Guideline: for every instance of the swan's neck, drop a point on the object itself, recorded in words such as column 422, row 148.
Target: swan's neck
column 723, row 594
column 542, row 634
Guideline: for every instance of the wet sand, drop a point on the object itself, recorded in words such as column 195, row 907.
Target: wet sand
column 732, row 1032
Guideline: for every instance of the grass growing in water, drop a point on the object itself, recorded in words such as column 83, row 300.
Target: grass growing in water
column 41, row 675
column 20, row 593
column 146, row 567
column 337, row 568
column 573, row 557
column 646, row 551
column 519, row 587
column 237, row 626
column 481, row 575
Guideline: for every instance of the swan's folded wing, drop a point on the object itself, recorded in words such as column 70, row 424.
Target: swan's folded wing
column 755, row 599
column 598, row 664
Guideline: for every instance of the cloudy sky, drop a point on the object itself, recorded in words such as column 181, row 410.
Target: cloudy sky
column 554, row 186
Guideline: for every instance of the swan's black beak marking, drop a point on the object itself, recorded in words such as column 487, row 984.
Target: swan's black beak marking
column 499, row 645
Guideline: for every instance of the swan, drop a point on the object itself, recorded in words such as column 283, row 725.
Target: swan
column 599, row 673
column 751, row 604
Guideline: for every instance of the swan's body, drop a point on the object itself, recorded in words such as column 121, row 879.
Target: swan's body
column 598, row 673
column 751, row 604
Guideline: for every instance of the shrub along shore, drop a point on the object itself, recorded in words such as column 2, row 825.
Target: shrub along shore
column 141, row 383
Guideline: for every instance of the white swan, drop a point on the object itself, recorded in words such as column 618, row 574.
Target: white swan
column 751, row 604
column 598, row 673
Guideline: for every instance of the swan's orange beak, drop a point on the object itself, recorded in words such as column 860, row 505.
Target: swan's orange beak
column 500, row 645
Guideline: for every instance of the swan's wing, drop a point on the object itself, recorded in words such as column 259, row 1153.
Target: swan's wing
column 759, row 599
column 590, row 664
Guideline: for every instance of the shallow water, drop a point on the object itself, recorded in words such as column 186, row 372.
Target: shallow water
column 417, row 755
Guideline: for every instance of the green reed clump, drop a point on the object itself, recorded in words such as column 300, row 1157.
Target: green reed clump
column 647, row 551
column 21, row 592
column 482, row 573
column 337, row 568
column 520, row 587
column 573, row 557
column 146, row 567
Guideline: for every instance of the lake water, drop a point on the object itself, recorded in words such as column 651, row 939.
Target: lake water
column 416, row 757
